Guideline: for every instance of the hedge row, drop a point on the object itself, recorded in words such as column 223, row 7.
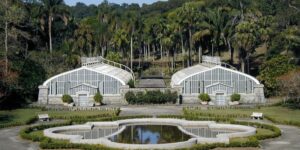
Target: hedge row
column 47, row 143
column 293, row 123
column 151, row 97
column 188, row 112
column 276, row 130
column 250, row 142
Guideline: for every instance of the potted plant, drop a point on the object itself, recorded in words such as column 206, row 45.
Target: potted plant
column 235, row 98
column 67, row 100
column 98, row 98
column 204, row 98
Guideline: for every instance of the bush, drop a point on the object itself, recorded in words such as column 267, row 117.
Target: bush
column 130, row 97
column 131, row 83
column 67, row 99
column 235, row 97
column 98, row 97
column 151, row 97
column 271, row 69
column 204, row 97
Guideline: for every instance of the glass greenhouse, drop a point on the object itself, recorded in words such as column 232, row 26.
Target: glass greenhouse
column 218, row 81
column 95, row 75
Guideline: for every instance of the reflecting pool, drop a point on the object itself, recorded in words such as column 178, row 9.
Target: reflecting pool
column 150, row 134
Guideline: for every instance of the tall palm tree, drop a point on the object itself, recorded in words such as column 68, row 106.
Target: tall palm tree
column 49, row 9
column 245, row 39
column 218, row 19
column 291, row 36
column 189, row 14
column 198, row 37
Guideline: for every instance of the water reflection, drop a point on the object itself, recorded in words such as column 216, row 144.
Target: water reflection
column 150, row 134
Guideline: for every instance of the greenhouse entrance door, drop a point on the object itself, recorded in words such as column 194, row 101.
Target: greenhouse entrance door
column 83, row 100
column 220, row 99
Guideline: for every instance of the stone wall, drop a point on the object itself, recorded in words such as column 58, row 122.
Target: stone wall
column 256, row 97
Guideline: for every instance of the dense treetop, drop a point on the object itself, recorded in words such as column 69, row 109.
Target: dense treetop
column 48, row 37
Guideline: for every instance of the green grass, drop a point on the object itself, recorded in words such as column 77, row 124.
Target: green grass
column 26, row 116
column 17, row 117
column 276, row 114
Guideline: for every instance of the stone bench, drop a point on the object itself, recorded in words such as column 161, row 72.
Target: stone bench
column 44, row 117
column 257, row 115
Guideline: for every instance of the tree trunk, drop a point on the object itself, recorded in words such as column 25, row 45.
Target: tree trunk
column 149, row 51
column 50, row 31
column 182, row 48
column 212, row 49
column 230, row 51
column 243, row 65
column 161, row 51
column 131, row 51
column 6, row 46
column 200, row 54
column 190, row 43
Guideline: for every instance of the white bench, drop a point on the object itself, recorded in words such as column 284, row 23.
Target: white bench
column 257, row 115
column 44, row 117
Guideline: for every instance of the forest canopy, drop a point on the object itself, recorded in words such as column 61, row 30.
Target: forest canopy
column 44, row 37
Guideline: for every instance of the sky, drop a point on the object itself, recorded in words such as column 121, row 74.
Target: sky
column 96, row 2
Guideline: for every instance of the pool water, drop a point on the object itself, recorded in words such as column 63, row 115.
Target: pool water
column 150, row 134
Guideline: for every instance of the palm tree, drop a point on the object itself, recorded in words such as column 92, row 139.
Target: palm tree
column 189, row 14
column 291, row 36
column 49, row 9
column 198, row 37
column 245, row 39
column 218, row 19
column 84, row 36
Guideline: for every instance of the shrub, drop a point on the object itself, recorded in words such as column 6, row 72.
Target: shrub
column 67, row 99
column 98, row 97
column 151, row 97
column 204, row 97
column 131, row 83
column 235, row 97
column 271, row 69
column 130, row 97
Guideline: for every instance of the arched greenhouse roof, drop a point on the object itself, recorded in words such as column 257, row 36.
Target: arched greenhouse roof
column 119, row 74
column 183, row 74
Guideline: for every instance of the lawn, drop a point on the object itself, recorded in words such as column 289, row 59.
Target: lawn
column 27, row 116
column 276, row 114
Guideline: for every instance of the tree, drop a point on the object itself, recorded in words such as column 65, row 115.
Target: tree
column 189, row 16
column 84, row 37
column 49, row 9
column 271, row 69
column 13, row 15
column 198, row 37
column 245, row 39
column 291, row 36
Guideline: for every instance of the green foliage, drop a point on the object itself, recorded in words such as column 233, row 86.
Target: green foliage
column 17, row 117
column 151, row 97
column 34, row 133
column 98, row 97
column 235, row 97
column 113, row 56
column 271, row 69
column 67, row 99
column 204, row 97
column 131, row 83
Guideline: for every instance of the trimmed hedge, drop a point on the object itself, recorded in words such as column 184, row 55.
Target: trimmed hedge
column 235, row 97
column 32, row 133
column 151, row 97
column 204, row 97
column 98, row 97
column 67, row 99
